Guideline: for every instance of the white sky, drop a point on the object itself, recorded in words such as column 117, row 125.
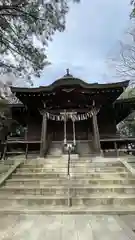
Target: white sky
column 93, row 29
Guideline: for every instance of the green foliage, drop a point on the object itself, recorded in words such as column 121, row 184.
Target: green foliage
column 4, row 108
column 26, row 26
column 5, row 119
column 129, row 93
column 127, row 126
column 133, row 10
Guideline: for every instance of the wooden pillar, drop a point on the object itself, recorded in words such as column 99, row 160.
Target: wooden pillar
column 26, row 133
column 96, row 132
column 43, row 135
column 116, row 149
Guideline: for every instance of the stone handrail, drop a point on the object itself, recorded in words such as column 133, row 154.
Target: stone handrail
column 127, row 165
column 10, row 171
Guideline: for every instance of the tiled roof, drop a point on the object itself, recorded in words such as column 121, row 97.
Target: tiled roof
column 5, row 93
column 13, row 100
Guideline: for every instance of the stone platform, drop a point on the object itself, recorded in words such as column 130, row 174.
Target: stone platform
column 65, row 227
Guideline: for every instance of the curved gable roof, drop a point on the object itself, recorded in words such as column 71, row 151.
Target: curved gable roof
column 68, row 81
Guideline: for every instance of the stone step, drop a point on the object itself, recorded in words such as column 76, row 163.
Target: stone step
column 27, row 201
column 132, row 160
column 80, row 159
column 55, row 175
column 60, row 165
column 89, row 200
column 76, row 162
column 75, row 190
column 39, row 175
column 34, row 190
column 41, row 170
column 36, row 183
column 45, row 169
column 43, row 163
column 104, row 200
column 88, row 196
column 101, row 160
column 53, row 210
column 96, row 171
column 64, row 181
column 98, row 164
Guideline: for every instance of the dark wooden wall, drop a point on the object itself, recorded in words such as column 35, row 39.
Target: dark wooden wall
column 56, row 128
column 34, row 126
column 84, row 129
column 34, row 131
column 106, row 121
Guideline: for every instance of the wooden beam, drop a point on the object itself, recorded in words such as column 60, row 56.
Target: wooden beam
column 116, row 149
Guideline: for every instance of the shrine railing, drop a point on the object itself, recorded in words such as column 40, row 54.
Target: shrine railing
column 123, row 145
column 17, row 146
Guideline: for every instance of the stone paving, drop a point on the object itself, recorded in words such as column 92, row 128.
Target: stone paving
column 64, row 227
column 129, row 220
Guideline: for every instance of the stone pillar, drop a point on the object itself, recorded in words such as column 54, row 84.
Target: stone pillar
column 96, row 132
column 43, row 135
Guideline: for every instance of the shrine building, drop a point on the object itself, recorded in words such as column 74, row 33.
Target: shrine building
column 71, row 110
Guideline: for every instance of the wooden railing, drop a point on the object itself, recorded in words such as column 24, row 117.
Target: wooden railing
column 120, row 145
column 18, row 142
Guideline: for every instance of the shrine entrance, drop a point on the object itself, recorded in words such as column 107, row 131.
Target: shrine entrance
column 56, row 129
column 69, row 130
column 68, row 120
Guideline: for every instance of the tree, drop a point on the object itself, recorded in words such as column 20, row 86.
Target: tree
column 128, row 93
column 26, row 26
column 5, row 119
column 133, row 10
column 123, row 63
column 127, row 126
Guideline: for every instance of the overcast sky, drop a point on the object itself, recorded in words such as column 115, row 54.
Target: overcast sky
column 93, row 29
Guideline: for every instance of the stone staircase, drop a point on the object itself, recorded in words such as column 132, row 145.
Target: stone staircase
column 42, row 186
